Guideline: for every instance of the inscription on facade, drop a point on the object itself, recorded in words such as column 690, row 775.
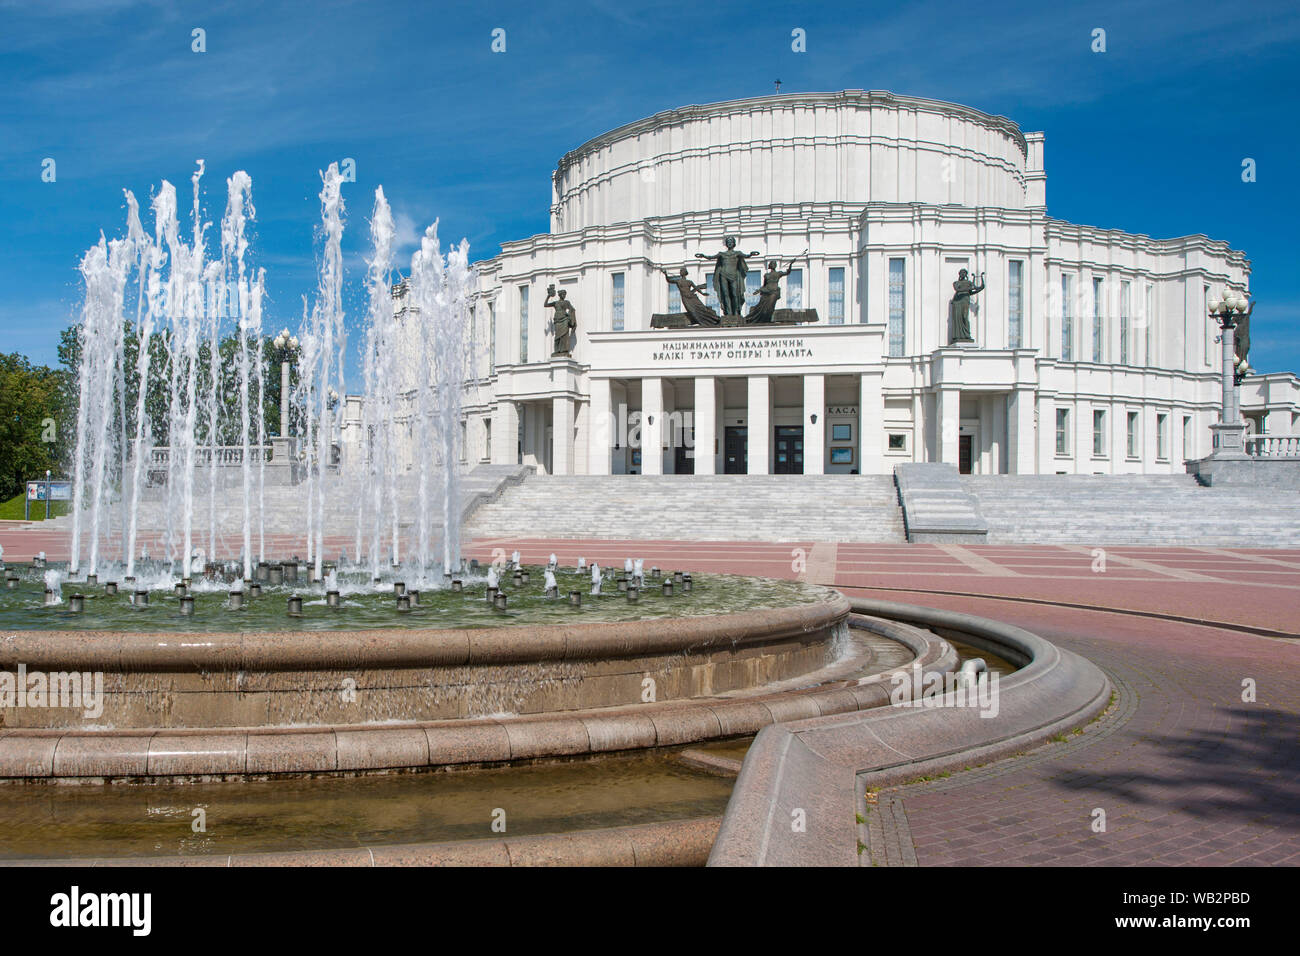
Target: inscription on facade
column 743, row 350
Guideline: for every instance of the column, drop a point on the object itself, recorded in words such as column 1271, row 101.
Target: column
column 652, row 426
column 528, row 445
column 562, row 435
column 1020, row 431
column 814, row 424
column 948, row 422
column 706, row 424
column 759, row 418
column 598, row 428
column 986, row 462
column 998, row 409
column 871, row 424
column 505, row 434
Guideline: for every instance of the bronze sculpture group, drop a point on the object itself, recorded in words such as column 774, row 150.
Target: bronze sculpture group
column 730, row 269
column 729, row 275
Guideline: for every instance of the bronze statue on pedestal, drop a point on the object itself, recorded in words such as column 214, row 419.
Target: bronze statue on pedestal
column 729, row 271
column 959, row 307
column 770, row 291
column 564, row 322
column 700, row 314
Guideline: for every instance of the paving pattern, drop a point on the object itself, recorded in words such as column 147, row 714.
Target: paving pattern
column 1184, row 769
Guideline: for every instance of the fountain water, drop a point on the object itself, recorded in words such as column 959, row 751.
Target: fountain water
column 181, row 304
column 190, row 399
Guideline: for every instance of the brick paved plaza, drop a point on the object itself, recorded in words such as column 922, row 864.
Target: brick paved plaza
column 1186, row 772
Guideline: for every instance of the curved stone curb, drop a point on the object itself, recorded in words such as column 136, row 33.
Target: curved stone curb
column 809, row 770
column 117, row 651
column 672, row 843
column 243, row 752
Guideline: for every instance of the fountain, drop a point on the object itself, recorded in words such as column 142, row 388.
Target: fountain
column 403, row 656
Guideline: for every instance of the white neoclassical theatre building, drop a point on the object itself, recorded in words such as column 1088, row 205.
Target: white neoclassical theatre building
column 1092, row 348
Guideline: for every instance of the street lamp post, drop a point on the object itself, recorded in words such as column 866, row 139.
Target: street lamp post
column 1230, row 431
column 286, row 350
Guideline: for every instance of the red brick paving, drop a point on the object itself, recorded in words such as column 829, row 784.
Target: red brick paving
column 1186, row 772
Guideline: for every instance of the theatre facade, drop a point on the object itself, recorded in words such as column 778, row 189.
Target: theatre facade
column 1089, row 350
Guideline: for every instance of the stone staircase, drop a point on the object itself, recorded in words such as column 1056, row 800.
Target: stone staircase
column 1133, row 510
column 696, row 508
column 937, row 508
column 286, row 504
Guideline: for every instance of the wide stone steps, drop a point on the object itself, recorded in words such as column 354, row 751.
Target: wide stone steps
column 1133, row 510
column 286, row 505
column 704, row 507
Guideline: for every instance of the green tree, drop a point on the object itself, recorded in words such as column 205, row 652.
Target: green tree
column 33, row 421
column 157, row 398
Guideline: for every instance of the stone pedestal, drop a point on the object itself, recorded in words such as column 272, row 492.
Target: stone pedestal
column 1229, row 441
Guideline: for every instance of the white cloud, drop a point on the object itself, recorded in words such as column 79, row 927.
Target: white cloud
column 407, row 232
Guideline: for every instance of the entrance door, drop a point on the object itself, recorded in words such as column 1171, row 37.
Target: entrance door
column 964, row 454
column 736, row 450
column 683, row 457
column 789, row 450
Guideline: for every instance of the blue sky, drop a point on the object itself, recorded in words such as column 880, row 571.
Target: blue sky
column 1148, row 137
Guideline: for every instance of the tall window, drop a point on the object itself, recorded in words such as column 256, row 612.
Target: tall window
column 1150, row 316
column 1162, row 437
column 487, row 439
column 1209, row 326
column 897, row 315
column 1125, row 305
column 523, row 325
column 1063, row 431
column 711, row 300
column 1098, row 297
column 794, row 289
column 1187, row 436
column 1131, row 434
column 1067, row 318
column 836, row 281
column 492, row 331
column 1015, row 302
column 618, row 302
column 753, row 279
column 674, row 298
column 1099, row 433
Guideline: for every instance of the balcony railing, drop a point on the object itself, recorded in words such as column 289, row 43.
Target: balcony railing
column 296, row 457
column 226, row 456
column 1273, row 446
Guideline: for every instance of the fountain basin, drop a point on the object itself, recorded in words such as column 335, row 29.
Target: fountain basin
column 248, row 680
column 785, row 663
